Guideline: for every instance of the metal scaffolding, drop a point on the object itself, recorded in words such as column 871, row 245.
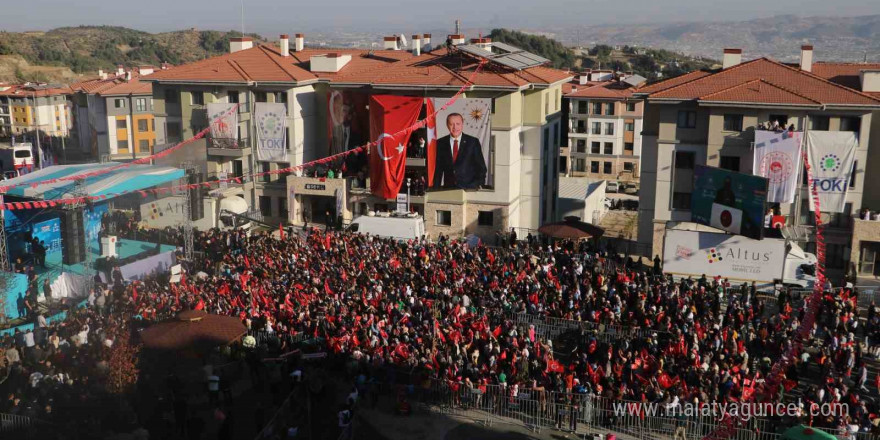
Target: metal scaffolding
column 4, row 252
column 190, row 168
column 80, row 192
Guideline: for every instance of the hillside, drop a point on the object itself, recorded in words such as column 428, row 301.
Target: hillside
column 14, row 69
column 834, row 38
column 650, row 63
column 85, row 49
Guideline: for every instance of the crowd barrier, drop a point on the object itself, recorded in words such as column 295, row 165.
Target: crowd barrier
column 549, row 328
column 266, row 337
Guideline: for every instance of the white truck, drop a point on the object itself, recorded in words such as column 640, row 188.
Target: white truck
column 768, row 262
column 16, row 160
column 220, row 212
column 400, row 227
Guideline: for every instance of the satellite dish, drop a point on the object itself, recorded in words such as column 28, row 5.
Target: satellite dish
column 402, row 40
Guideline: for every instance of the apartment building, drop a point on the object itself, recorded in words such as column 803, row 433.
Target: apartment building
column 5, row 112
column 709, row 117
column 114, row 114
column 43, row 107
column 605, row 125
column 526, row 125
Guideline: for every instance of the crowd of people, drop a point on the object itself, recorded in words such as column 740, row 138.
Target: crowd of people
column 448, row 310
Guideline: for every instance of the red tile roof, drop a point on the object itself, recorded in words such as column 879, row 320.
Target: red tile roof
column 261, row 64
column 674, row 81
column 603, row 90
column 786, row 85
column 845, row 74
column 115, row 85
column 28, row 91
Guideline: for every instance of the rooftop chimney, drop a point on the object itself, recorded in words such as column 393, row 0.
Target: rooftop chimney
column 731, row 58
column 807, row 57
column 870, row 80
column 284, row 44
column 426, row 42
column 457, row 39
column 482, row 43
column 416, row 45
column 390, row 43
column 299, row 42
column 120, row 70
column 128, row 75
column 101, row 74
column 583, row 78
column 165, row 66
column 240, row 43
column 330, row 62
column 145, row 70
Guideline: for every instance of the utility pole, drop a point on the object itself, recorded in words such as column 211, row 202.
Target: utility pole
column 37, row 128
column 4, row 256
column 80, row 191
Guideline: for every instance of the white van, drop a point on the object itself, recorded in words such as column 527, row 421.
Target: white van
column 383, row 225
column 612, row 187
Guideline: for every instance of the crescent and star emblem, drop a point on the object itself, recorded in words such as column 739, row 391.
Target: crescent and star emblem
column 380, row 143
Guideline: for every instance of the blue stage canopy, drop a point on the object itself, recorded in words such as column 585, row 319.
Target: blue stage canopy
column 126, row 179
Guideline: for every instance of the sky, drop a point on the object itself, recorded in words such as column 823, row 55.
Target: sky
column 268, row 17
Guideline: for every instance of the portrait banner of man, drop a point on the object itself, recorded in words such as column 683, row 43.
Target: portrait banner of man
column 348, row 127
column 458, row 150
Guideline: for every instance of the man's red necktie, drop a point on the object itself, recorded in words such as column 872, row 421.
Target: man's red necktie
column 455, row 150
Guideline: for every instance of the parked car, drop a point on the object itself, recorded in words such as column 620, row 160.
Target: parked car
column 630, row 188
column 612, row 187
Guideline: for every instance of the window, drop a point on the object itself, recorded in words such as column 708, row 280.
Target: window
column 485, row 218
column 119, row 103
column 581, row 146
column 198, row 98
column 281, row 97
column 266, row 206
column 609, row 148
column 233, row 97
column 140, row 104
column 609, row 108
column 819, row 123
column 582, row 107
column 687, row 119
column 265, row 168
column 173, row 129
column 282, row 207
column 122, row 146
column 597, row 108
column 628, row 146
column 594, row 166
column 629, row 126
column 850, row 123
column 260, row 97
column 444, row 218
column 609, row 128
column 121, row 124
column 729, row 163
column 597, row 128
column 835, row 257
column 581, row 127
column 143, row 146
column 684, row 160
column 606, row 168
column 153, row 124
column 630, row 106
column 681, row 200
column 143, row 125
column 170, row 96
column 594, row 147
column 781, row 119
column 579, row 165
column 628, row 166
column 733, row 122
column 852, row 177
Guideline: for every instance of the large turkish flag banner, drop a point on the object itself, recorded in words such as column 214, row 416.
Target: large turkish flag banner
column 391, row 125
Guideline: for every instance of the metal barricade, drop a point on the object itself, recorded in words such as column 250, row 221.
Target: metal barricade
column 13, row 422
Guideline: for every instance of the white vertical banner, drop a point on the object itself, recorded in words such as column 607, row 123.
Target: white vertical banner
column 224, row 130
column 339, row 202
column 271, row 120
column 778, row 157
column 401, row 202
column 831, row 155
column 291, row 205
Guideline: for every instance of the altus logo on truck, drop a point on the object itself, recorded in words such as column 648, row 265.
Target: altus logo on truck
column 737, row 255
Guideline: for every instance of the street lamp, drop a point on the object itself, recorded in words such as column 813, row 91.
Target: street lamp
column 408, row 180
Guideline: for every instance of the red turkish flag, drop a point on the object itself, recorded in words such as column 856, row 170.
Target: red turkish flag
column 391, row 120
column 431, row 138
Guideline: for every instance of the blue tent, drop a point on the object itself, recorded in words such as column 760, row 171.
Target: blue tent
column 122, row 180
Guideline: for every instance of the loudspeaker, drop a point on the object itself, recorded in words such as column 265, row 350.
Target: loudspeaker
column 73, row 237
column 196, row 204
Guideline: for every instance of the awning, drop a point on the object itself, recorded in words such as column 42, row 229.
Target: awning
column 127, row 179
column 571, row 228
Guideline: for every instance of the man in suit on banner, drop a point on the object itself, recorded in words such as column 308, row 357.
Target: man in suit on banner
column 459, row 162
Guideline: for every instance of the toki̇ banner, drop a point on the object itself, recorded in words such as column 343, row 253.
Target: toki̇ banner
column 388, row 116
column 224, row 125
column 832, row 155
column 777, row 158
column 271, row 119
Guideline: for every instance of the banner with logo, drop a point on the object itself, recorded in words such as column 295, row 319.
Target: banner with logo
column 831, row 155
column 224, row 130
column 388, row 116
column 458, row 144
column 778, row 157
column 271, row 119
column 692, row 253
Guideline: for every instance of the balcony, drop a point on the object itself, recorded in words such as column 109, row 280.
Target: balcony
column 229, row 147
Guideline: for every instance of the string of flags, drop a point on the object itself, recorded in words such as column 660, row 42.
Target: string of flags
column 12, row 206
column 143, row 160
column 765, row 391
